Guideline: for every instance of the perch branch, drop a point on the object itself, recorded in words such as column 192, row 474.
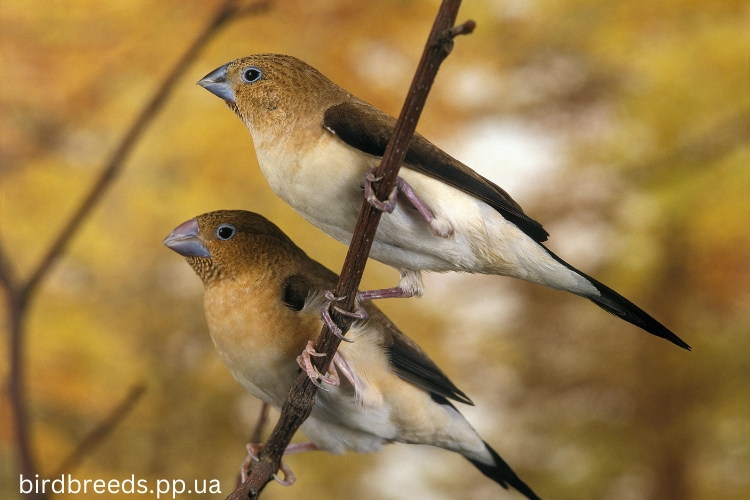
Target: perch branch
column 301, row 397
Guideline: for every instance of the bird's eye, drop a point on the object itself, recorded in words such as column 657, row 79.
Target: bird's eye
column 225, row 231
column 251, row 74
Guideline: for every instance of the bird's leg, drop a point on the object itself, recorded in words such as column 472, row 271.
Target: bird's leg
column 304, row 361
column 326, row 315
column 384, row 293
column 410, row 285
column 252, row 454
column 439, row 227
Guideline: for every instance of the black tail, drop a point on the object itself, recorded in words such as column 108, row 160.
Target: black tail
column 616, row 304
column 503, row 475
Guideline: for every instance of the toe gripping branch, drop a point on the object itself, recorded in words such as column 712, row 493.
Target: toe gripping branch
column 304, row 361
column 326, row 315
column 252, row 455
column 439, row 227
column 390, row 204
column 253, row 449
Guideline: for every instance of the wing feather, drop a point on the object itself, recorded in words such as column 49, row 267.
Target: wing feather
column 368, row 129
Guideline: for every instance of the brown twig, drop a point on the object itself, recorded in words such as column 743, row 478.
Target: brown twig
column 19, row 293
column 101, row 431
column 301, row 397
column 228, row 10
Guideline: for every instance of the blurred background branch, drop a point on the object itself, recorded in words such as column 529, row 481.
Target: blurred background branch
column 18, row 294
column 100, row 433
column 620, row 126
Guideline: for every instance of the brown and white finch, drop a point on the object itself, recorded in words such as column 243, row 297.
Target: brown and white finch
column 316, row 143
column 262, row 299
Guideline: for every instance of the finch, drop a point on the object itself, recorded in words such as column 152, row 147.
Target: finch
column 262, row 301
column 317, row 144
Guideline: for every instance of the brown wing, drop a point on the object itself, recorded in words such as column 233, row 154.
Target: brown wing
column 302, row 290
column 368, row 129
column 411, row 363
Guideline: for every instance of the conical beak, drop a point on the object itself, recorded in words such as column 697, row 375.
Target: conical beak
column 216, row 82
column 185, row 240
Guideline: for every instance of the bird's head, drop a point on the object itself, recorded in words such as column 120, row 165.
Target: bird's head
column 232, row 244
column 265, row 89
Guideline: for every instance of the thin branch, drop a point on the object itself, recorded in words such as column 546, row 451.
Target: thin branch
column 227, row 11
column 7, row 275
column 301, row 396
column 17, row 387
column 18, row 294
column 101, row 431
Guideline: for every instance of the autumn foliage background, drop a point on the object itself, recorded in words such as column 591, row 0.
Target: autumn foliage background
column 623, row 127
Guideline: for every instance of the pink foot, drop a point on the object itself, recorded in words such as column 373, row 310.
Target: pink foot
column 326, row 316
column 252, row 454
column 439, row 227
column 303, row 360
column 387, row 206
column 289, row 478
column 384, row 293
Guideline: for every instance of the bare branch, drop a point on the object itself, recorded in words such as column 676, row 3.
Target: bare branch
column 101, row 431
column 18, row 294
column 252, row 9
column 17, row 387
column 301, row 397
column 227, row 11
column 7, row 274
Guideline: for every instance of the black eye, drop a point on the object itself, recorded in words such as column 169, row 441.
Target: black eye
column 251, row 74
column 225, row 231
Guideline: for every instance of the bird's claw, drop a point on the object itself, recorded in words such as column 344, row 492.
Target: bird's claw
column 387, row 206
column 439, row 227
column 252, row 455
column 360, row 313
column 304, row 361
column 326, row 315
column 289, row 478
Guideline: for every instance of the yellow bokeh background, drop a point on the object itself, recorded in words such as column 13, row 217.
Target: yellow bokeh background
column 623, row 127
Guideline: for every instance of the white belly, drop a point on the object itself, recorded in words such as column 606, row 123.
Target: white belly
column 325, row 187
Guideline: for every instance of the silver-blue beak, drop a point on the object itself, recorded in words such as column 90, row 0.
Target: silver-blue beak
column 185, row 241
column 216, row 83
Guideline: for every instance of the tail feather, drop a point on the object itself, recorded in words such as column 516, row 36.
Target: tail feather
column 502, row 474
column 616, row 304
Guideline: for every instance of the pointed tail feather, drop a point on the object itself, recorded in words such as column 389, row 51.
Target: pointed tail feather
column 616, row 304
column 502, row 474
